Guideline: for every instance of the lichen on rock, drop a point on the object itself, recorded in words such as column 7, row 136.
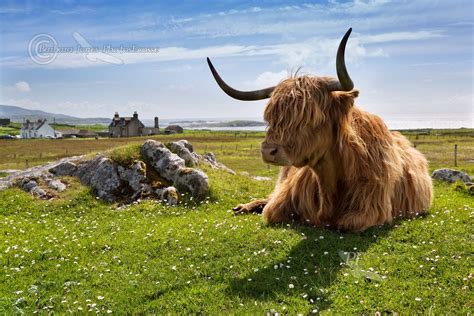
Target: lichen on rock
column 169, row 195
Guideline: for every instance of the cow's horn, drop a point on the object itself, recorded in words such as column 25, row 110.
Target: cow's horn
column 237, row 94
column 345, row 83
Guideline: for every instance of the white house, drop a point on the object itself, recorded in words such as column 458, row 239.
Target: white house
column 38, row 129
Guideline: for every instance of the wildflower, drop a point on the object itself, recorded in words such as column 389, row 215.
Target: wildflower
column 291, row 286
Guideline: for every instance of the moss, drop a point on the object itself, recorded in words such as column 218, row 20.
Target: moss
column 125, row 155
column 155, row 180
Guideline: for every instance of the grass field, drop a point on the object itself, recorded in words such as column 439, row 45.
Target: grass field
column 239, row 150
column 77, row 254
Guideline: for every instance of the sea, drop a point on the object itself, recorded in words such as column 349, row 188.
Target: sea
column 395, row 122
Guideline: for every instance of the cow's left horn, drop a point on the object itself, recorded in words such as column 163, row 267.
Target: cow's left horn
column 237, row 94
column 345, row 83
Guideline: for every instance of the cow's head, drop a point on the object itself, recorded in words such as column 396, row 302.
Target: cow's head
column 303, row 114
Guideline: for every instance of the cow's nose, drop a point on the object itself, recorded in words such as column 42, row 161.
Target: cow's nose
column 269, row 150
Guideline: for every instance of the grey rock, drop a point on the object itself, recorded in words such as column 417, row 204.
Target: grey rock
column 193, row 181
column 39, row 192
column 5, row 185
column 185, row 150
column 102, row 176
column 33, row 172
column 135, row 177
column 86, row 169
column 210, row 159
column 169, row 195
column 57, row 185
column 450, row 175
column 28, row 185
column 164, row 161
column 66, row 168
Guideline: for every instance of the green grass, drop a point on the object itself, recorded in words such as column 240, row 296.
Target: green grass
column 76, row 254
column 9, row 130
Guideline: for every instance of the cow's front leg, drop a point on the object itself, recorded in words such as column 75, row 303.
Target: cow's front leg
column 278, row 208
column 255, row 207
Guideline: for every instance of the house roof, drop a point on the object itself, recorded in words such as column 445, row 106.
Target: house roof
column 33, row 125
column 123, row 121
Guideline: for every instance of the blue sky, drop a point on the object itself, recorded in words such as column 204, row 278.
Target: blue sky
column 412, row 58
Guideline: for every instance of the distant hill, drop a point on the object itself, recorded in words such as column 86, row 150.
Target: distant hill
column 17, row 114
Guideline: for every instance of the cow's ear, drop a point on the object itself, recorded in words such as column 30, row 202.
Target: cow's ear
column 345, row 99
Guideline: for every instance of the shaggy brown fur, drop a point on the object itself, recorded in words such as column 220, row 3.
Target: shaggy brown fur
column 348, row 171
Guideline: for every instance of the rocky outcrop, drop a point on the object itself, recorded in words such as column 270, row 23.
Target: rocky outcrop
column 113, row 182
column 450, row 175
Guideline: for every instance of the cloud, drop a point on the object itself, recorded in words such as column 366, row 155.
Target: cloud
column 313, row 51
column 399, row 36
column 22, row 86
column 268, row 79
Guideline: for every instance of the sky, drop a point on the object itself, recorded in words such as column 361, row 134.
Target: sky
column 407, row 58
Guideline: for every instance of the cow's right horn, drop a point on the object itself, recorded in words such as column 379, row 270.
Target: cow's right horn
column 237, row 94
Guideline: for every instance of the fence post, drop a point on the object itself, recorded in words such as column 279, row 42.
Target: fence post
column 236, row 147
column 27, row 165
column 455, row 155
column 41, row 155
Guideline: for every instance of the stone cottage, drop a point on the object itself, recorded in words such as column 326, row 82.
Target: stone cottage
column 130, row 126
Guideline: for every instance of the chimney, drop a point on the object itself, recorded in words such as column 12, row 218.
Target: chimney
column 157, row 125
column 135, row 115
column 116, row 115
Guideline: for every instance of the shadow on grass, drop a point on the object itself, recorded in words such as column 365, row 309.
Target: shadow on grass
column 309, row 269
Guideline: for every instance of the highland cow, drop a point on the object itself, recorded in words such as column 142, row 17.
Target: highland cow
column 342, row 167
